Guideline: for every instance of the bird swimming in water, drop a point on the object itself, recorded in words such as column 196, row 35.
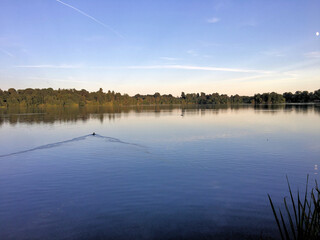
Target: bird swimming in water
column 93, row 133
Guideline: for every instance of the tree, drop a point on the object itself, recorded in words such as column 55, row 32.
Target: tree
column 65, row 97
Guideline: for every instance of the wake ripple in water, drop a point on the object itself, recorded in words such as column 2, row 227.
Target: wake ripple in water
column 51, row 145
column 111, row 139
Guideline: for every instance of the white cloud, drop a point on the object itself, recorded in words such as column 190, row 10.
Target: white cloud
column 193, row 53
column 213, row 20
column 188, row 67
column 182, row 67
column 95, row 38
column 49, row 66
column 273, row 53
column 169, row 58
column 249, row 23
column 315, row 54
column 68, row 79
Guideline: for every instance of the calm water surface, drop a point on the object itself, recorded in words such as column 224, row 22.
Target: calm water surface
column 152, row 173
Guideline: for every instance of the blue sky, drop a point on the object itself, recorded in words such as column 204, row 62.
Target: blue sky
column 165, row 46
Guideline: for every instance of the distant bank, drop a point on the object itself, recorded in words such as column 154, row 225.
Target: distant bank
column 72, row 97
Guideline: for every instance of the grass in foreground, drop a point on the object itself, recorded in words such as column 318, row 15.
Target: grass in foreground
column 303, row 218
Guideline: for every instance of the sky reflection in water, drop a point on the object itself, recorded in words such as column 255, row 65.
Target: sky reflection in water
column 189, row 173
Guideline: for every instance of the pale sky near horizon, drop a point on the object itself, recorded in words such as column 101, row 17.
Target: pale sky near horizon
column 165, row 46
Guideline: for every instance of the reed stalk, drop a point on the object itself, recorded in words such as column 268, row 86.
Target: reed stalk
column 300, row 219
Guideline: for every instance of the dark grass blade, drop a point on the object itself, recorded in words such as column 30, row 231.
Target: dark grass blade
column 304, row 221
column 299, row 219
column 293, row 230
column 303, row 215
column 276, row 217
column 313, row 217
column 284, row 226
column 293, row 203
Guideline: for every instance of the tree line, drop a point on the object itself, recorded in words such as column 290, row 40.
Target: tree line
column 68, row 97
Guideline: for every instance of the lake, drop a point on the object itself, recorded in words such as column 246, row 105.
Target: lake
column 167, row 172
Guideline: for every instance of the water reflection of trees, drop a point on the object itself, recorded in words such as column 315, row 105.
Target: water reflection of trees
column 102, row 113
column 297, row 108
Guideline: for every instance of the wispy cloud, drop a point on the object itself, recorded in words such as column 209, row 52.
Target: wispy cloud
column 182, row 67
column 92, row 18
column 6, row 53
column 266, row 77
column 209, row 44
column 221, row 4
column 96, row 38
column 188, row 67
column 169, row 58
column 193, row 53
column 273, row 53
column 243, row 79
column 249, row 23
column 49, row 66
column 213, row 20
column 48, row 80
column 291, row 74
column 313, row 54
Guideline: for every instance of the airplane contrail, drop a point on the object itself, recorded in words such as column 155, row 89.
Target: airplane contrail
column 7, row 53
column 92, row 18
